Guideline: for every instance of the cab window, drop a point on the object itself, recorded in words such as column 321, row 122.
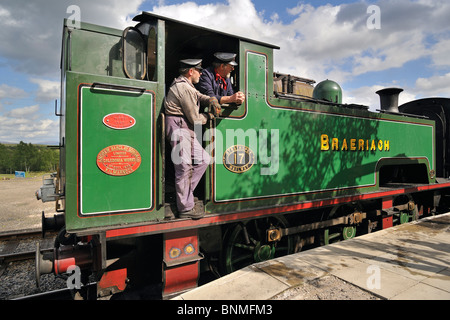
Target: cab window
column 134, row 56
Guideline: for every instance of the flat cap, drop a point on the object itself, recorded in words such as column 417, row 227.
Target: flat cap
column 226, row 57
column 191, row 63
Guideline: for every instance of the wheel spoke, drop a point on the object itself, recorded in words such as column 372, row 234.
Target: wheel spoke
column 244, row 246
column 247, row 236
column 241, row 258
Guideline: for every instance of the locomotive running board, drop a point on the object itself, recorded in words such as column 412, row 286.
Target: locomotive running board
column 218, row 219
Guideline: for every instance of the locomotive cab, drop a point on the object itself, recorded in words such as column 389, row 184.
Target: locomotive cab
column 182, row 41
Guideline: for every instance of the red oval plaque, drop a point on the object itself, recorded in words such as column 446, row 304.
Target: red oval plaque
column 118, row 160
column 119, row 121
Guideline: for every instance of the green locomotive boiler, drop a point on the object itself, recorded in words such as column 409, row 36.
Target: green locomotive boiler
column 289, row 169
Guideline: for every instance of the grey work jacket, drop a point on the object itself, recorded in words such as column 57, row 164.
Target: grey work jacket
column 184, row 100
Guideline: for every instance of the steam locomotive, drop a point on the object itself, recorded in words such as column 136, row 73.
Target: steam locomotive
column 292, row 167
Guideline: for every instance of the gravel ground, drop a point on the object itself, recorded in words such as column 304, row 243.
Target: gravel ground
column 19, row 208
column 326, row 288
column 19, row 280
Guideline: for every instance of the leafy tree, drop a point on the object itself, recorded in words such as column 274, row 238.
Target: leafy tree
column 24, row 156
column 6, row 159
column 27, row 157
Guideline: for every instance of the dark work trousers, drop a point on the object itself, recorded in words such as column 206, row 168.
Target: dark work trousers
column 189, row 158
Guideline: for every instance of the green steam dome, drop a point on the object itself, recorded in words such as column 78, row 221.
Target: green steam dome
column 328, row 90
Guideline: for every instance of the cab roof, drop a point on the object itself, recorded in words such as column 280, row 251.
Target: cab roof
column 146, row 16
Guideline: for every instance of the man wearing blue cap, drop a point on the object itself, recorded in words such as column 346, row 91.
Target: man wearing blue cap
column 215, row 80
column 182, row 105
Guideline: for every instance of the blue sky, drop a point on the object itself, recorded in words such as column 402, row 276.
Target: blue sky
column 318, row 39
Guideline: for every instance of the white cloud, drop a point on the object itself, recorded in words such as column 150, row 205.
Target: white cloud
column 23, row 124
column 6, row 17
column 236, row 17
column 434, row 86
column 337, row 38
column 27, row 125
column 440, row 53
column 29, row 112
column 48, row 90
column 34, row 132
column 10, row 92
column 367, row 96
column 393, row 52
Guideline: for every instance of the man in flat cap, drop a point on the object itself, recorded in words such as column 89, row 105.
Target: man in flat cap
column 182, row 105
column 215, row 80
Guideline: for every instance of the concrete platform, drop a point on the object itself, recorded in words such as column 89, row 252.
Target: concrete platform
column 406, row 262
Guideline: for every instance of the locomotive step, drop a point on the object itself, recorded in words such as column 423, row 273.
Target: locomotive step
column 171, row 211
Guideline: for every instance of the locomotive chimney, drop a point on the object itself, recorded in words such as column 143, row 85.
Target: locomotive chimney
column 389, row 99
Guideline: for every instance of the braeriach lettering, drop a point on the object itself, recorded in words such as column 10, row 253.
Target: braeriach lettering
column 353, row 144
